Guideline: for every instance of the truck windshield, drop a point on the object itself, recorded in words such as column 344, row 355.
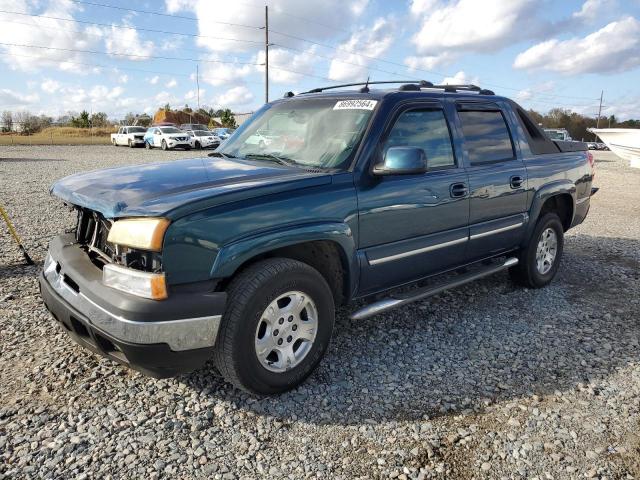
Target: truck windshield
column 313, row 133
column 137, row 130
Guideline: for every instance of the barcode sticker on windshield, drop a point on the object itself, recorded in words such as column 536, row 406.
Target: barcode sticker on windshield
column 355, row 105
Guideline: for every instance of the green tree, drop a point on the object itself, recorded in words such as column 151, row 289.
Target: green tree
column 81, row 121
column 99, row 119
column 228, row 119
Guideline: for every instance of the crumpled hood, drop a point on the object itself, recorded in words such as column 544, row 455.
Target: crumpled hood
column 159, row 188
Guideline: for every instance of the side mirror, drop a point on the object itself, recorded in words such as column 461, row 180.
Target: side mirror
column 402, row 161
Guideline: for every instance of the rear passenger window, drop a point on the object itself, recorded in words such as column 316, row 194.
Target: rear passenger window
column 486, row 136
column 426, row 129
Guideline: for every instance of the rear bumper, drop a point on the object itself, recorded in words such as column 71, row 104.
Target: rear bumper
column 159, row 338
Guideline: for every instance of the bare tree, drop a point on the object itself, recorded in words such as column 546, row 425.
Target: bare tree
column 7, row 121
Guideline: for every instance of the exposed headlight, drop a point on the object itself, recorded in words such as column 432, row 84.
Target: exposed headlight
column 143, row 233
column 142, row 284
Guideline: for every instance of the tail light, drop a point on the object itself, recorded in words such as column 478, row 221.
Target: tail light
column 592, row 163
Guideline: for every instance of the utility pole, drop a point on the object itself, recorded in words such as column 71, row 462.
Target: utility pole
column 599, row 113
column 266, row 54
column 198, row 83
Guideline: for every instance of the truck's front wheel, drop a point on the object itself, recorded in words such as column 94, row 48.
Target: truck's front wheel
column 540, row 259
column 277, row 326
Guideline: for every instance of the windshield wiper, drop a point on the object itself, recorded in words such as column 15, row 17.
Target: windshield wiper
column 287, row 162
column 221, row 155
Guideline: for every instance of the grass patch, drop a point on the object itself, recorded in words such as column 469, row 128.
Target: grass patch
column 60, row 136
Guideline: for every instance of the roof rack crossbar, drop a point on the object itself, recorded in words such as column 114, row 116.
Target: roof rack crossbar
column 422, row 83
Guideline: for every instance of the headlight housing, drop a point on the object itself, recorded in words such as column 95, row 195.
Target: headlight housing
column 142, row 233
column 142, row 284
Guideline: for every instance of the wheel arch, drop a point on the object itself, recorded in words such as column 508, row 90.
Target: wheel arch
column 558, row 197
column 329, row 248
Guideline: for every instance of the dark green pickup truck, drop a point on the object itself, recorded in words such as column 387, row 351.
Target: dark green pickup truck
column 319, row 199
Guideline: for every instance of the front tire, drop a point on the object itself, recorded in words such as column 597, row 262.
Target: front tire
column 198, row 146
column 147, row 145
column 277, row 326
column 540, row 259
column 164, row 146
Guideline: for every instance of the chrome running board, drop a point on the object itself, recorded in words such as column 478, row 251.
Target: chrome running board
column 403, row 299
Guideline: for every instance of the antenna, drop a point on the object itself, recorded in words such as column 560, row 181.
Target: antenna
column 365, row 89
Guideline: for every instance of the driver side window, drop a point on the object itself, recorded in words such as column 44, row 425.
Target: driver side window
column 425, row 129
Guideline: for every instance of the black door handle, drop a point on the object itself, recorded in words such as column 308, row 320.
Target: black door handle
column 457, row 190
column 516, row 181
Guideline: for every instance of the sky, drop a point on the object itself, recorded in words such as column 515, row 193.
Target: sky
column 58, row 56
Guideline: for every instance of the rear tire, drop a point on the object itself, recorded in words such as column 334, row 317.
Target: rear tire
column 257, row 312
column 540, row 259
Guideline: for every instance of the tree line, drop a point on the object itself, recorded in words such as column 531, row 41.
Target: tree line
column 577, row 124
column 27, row 123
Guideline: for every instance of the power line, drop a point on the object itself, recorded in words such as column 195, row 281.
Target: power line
column 108, row 67
column 170, row 15
column 119, row 54
column 97, row 35
column 127, row 27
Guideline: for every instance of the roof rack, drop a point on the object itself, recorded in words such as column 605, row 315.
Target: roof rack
column 367, row 83
column 410, row 85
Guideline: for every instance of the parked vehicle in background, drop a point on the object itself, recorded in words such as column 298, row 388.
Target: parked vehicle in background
column 193, row 126
column 203, row 139
column 223, row 133
column 261, row 139
column 593, row 146
column 243, row 258
column 558, row 134
column 167, row 138
column 132, row 136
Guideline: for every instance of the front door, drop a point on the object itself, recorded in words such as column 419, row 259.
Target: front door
column 414, row 225
column 497, row 180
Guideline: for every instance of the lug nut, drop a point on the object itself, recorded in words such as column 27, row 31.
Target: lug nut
column 280, row 341
column 276, row 332
column 281, row 321
column 295, row 327
column 290, row 318
column 289, row 338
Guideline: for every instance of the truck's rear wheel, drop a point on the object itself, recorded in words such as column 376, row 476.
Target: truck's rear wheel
column 540, row 259
column 277, row 326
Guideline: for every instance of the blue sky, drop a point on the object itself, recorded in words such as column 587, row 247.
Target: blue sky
column 99, row 55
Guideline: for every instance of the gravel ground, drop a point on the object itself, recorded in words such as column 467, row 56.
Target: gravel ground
column 487, row 381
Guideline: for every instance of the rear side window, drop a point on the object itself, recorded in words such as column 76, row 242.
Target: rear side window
column 486, row 136
column 426, row 129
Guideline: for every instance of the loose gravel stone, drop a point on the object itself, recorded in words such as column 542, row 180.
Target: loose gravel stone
column 486, row 381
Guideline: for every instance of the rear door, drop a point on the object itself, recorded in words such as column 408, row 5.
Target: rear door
column 411, row 226
column 497, row 179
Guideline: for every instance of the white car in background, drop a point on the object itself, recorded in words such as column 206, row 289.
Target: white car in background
column 167, row 138
column 129, row 135
column 203, row 139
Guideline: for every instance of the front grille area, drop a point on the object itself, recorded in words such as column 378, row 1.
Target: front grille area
column 92, row 231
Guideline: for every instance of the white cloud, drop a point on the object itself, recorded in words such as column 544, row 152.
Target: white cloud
column 50, row 86
column 429, row 62
column 592, row 10
column 171, row 83
column 192, row 95
column 370, row 42
column 285, row 16
column 527, row 94
column 460, row 78
column 288, row 67
column 235, row 97
column 124, row 78
column 358, row 6
column 223, row 74
column 470, row 25
column 154, row 80
column 9, row 98
column 125, row 43
column 613, row 48
column 45, row 32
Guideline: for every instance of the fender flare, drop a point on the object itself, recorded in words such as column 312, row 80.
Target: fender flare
column 558, row 187
column 233, row 255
